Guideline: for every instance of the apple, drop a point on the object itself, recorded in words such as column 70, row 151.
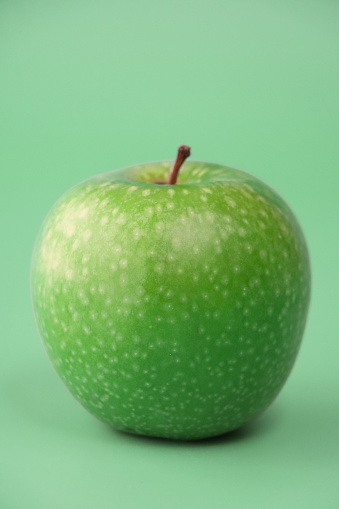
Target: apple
column 172, row 309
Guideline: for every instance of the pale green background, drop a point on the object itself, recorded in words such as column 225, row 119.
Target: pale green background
column 90, row 86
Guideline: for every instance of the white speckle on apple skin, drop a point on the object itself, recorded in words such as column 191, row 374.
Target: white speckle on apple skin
column 177, row 318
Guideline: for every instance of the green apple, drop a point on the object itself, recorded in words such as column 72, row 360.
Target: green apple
column 173, row 310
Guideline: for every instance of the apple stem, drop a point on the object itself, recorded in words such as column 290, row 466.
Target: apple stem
column 183, row 153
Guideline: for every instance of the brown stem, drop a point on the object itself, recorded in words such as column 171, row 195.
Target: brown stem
column 183, row 153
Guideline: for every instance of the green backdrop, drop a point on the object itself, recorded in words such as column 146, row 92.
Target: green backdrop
column 91, row 86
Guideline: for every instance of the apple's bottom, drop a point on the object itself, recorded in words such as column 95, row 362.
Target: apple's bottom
column 234, row 433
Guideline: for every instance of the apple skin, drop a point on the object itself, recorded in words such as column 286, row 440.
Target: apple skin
column 172, row 310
